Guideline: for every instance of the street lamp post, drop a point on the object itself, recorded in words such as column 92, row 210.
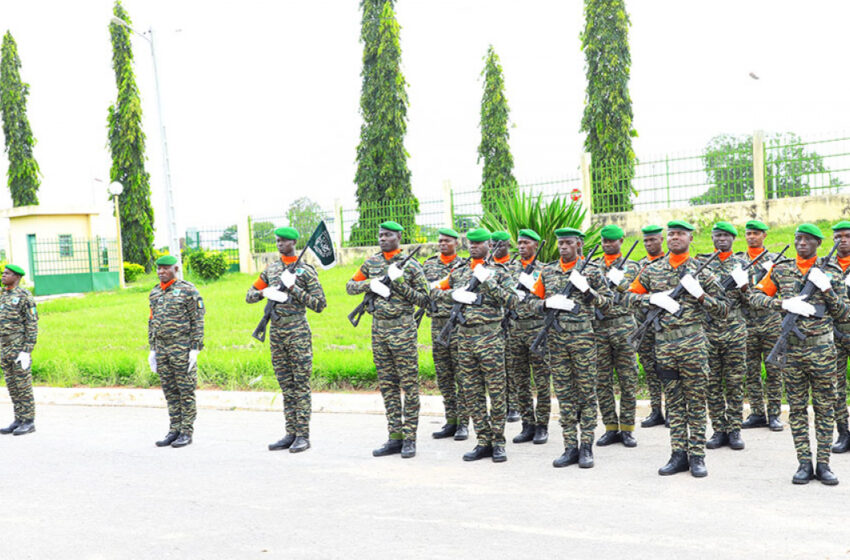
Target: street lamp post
column 115, row 189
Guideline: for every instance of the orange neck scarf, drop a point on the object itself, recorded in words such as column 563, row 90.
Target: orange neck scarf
column 391, row 254
column 288, row 260
column 502, row 260
column 164, row 286
column 566, row 267
column 844, row 262
column 724, row 256
column 805, row 264
column 677, row 260
column 446, row 260
column 609, row 259
column 475, row 262
column 754, row 252
column 525, row 263
column 653, row 257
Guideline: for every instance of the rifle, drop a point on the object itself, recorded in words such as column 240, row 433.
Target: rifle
column 652, row 317
column 268, row 312
column 512, row 314
column 551, row 318
column 779, row 256
column 368, row 303
column 432, row 305
column 777, row 355
column 622, row 264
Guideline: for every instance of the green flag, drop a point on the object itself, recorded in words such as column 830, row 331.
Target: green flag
column 321, row 244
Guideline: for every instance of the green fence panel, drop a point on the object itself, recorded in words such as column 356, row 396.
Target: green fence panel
column 69, row 265
column 222, row 239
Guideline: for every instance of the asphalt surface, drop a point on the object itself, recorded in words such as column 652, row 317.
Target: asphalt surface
column 90, row 484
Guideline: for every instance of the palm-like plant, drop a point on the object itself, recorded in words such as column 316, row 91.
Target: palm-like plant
column 543, row 216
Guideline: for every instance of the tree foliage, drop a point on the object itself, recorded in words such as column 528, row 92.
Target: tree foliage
column 304, row 215
column 230, row 235
column 607, row 116
column 382, row 177
column 127, row 146
column 23, row 170
column 263, row 237
column 497, row 180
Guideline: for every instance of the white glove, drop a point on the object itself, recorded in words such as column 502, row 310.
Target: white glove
column 521, row 294
column 560, row 301
column 287, row 279
column 24, row 359
column 579, row 281
column 691, row 284
column 664, row 301
column 526, row 280
column 482, row 273
column 193, row 358
column 767, row 265
column 464, row 296
column 615, row 275
column 379, row 288
column 275, row 295
column 847, row 280
column 739, row 275
column 820, row 279
column 434, row 285
column 394, row 272
column 152, row 360
column 798, row 306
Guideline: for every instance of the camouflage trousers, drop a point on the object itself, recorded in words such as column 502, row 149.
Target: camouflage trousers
column 396, row 359
column 292, row 359
column 727, row 359
column 572, row 359
column 178, row 385
column 18, row 380
column 448, row 374
column 762, row 334
column 521, row 363
column 811, row 367
column 685, row 350
column 647, row 360
column 512, row 398
column 842, row 353
column 615, row 356
column 481, row 360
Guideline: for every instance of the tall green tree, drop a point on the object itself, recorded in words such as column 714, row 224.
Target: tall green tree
column 497, row 180
column 23, row 169
column 127, row 145
column 382, row 178
column 607, row 116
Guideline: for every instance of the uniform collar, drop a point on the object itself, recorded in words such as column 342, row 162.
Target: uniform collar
column 566, row 267
column 447, row 260
column 166, row 285
column 475, row 262
column 502, row 260
column 677, row 260
column 656, row 257
column 724, row 256
column 843, row 262
column 391, row 254
column 754, row 252
column 805, row 264
column 609, row 259
column 288, row 260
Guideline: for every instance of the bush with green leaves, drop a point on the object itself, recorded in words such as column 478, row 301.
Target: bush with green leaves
column 208, row 265
column 132, row 271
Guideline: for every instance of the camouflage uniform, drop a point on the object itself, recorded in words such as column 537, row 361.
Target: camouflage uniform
column 291, row 340
column 810, row 363
column 727, row 353
column 394, row 347
column 614, row 353
column 842, row 353
column 572, row 352
column 445, row 357
column 175, row 327
column 18, row 333
column 481, row 348
column 646, row 351
column 682, row 346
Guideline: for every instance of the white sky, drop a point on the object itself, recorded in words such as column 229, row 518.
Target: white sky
column 261, row 97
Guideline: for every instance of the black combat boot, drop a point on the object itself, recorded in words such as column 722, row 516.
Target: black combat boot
column 717, row 440
column 26, row 427
column 11, row 427
column 447, row 431
column 513, row 415
column 755, row 421
column 170, row 437
column 804, row 473
column 735, row 440
column 182, row 441
column 628, row 439
column 392, row 447
column 480, row 452
column 609, row 437
column 697, row 464
column 655, row 418
column 300, row 444
column 585, row 456
column 678, row 463
column 541, row 434
column 842, row 444
column 462, row 432
column 408, row 449
column 527, row 433
column 774, row 423
column 570, row 457
column 499, row 455
column 825, row 475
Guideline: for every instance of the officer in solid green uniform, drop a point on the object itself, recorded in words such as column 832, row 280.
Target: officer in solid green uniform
column 18, row 333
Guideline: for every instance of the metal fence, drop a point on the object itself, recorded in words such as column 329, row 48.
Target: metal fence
column 222, row 239
column 797, row 168
column 262, row 228
column 69, row 255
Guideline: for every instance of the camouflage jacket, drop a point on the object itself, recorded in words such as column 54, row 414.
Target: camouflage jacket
column 404, row 294
column 497, row 293
column 640, row 314
column 735, row 298
column 177, row 315
column 435, row 270
column 525, row 307
column 307, row 292
column 630, row 269
column 843, row 323
column 554, row 280
column 18, row 317
column 756, row 274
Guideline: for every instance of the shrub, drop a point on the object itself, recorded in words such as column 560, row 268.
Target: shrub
column 132, row 271
column 209, row 265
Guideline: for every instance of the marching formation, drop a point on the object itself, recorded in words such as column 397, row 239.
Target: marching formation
column 507, row 331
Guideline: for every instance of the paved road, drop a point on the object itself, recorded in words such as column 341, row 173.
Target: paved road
column 90, row 484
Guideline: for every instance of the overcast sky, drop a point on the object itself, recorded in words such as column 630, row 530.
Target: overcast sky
column 261, row 97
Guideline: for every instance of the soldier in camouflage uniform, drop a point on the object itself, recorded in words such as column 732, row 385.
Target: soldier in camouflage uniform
column 763, row 328
column 176, row 337
column 727, row 348
column 614, row 353
column 810, row 362
column 653, row 242
column 572, row 351
column 18, row 333
column 290, row 338
column 481, row 344
column 437, row 268
column 500, row 244
column 394, row 348
column 681, row 347
column 841, row 237
column 521, row 362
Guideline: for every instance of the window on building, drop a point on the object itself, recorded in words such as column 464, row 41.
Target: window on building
column 66, row 246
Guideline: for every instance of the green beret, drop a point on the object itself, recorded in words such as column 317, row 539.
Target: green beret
column 500, row 236
column 810, row 229
column 651, row 230
column 166, row 260
column 755, row 224
column 569, row 232
column 478, row 235
column 612, row 232
column 844, row 224
column 680, row 224
column 287, row 233
column 529, row 233
column 725, row 227
column 391, row 225
column 448, row 231
column 16, row 269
